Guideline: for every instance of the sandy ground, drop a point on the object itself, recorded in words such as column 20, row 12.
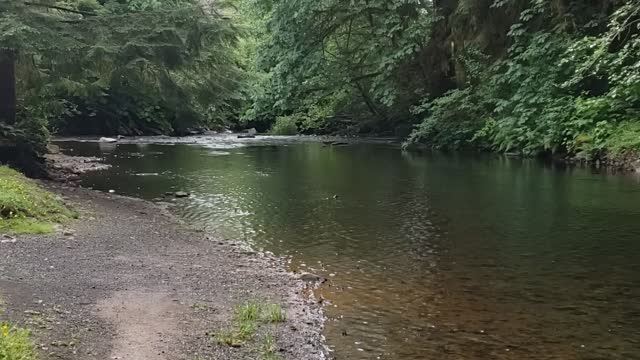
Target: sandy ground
column 129, row 281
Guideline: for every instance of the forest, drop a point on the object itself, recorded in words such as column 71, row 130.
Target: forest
column 528, row 77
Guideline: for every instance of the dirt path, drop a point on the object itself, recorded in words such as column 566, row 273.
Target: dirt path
column 126, row 281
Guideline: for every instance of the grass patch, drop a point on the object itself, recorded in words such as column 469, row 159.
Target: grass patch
column 237, row 335
column 249, row 311
column 246, row 319
column 273, row 313
column 25, row 207
column 15, row 343
column 268, row 349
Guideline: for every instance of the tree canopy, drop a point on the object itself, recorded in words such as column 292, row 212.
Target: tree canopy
column 118, row 67
column 527, row 76
column 530, row 76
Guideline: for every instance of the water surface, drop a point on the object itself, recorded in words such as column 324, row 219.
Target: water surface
column 428, row 256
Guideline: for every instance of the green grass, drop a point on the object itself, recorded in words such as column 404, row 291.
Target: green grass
column 15, row 343
column 268, row 348
column 246, row 320
column 237, row 335
column 249, row 311
column 25, row 207
column 273, row 313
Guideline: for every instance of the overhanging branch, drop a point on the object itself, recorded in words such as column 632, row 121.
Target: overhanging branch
column 85, row 13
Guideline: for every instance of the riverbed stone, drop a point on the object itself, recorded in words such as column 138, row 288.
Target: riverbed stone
column 309, row 277
column 181, row 194
column 53, row 149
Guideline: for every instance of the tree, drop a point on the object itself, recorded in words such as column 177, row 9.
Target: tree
column 7, row 86
column 134, row 67
column 531, row 76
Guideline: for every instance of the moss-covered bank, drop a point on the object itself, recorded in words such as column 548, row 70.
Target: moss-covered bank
column 25, row 207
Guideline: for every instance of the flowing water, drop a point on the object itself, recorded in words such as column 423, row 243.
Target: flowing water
column 427, row 256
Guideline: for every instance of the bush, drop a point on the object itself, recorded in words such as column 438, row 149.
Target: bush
column 451, row 121
column 625, row 137
column 15, row 344
column 285, row 125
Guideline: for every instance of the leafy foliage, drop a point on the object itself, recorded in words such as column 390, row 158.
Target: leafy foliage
column 527, row 76
column 137, row 67
column 120, row 67
column 325, row 59
column 567, row 84
column 15, row 343
column 285, row 125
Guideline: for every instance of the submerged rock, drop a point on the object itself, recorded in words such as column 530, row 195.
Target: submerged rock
column 181, row 194
column 308, row 277
column 53, row 149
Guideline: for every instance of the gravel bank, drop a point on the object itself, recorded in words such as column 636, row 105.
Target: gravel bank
column 129, row 281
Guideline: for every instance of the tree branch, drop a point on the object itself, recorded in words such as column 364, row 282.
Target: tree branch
column 85, row 13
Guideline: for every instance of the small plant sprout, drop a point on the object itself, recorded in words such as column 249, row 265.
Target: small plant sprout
column 273, row 313
column 200, row 306
column 268, row 348
column 237, row 335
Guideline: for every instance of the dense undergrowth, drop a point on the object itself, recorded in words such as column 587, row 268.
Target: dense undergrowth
column 527, row 76
column 564, row 92
column 129, row 67
column 27, row 208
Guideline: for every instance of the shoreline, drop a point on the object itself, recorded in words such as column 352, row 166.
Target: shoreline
column 129, row 280
column 627, row 163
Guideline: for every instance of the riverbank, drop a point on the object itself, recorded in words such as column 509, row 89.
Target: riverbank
column 127, row 280
column 70, row 167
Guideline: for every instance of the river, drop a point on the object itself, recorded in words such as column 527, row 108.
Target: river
column 432, row 256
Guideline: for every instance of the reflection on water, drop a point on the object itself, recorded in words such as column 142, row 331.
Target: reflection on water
column 429, row 257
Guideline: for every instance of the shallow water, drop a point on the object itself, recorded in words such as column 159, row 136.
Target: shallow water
column 428, row 256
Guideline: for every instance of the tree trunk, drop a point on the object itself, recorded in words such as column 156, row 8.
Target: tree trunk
column 7, row 86
column 368, row 101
